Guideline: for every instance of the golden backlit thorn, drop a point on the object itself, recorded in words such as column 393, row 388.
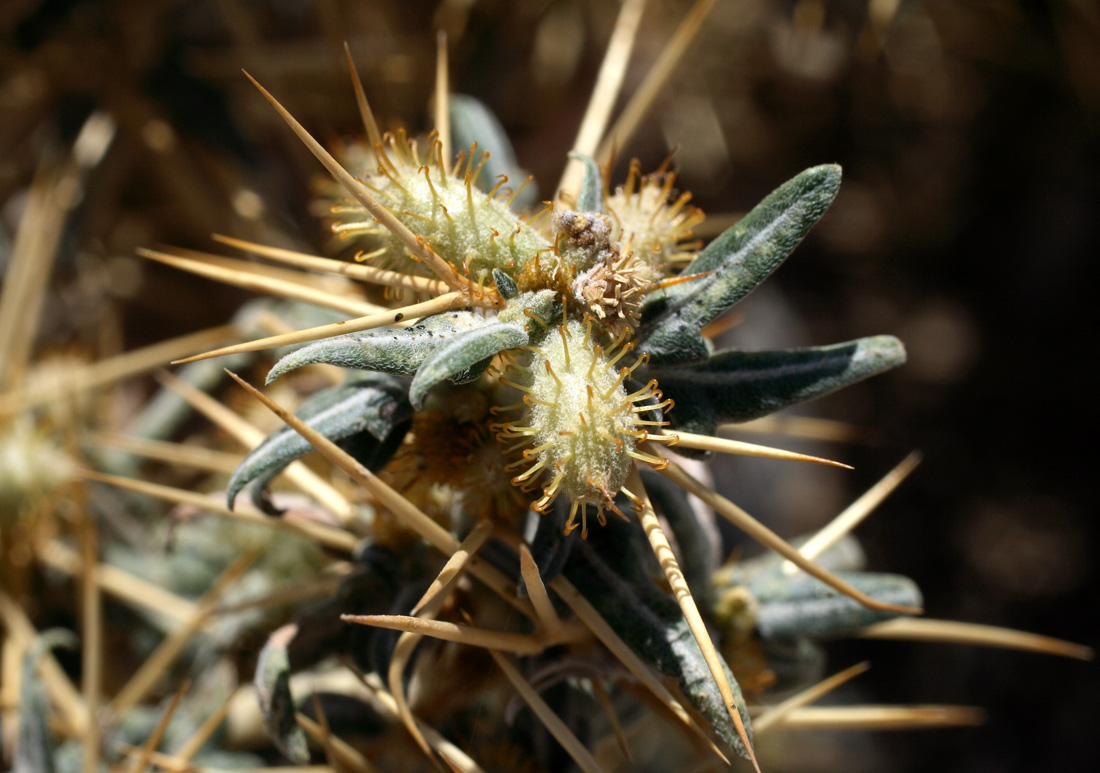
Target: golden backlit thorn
column 727, row 446
column 807, row 427
column 854, row 514
column 812, row 694
column 359, row 271
column 667, row 559
column 456, row 563
column 953, row 632
column 769, row 538
column 878, row 718
column 442, row 97
column 374, row 137
column 520, row 643
column 443, row 303
column 417, row 246
column 584, row 759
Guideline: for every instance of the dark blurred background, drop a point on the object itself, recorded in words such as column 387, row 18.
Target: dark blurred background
column 969, row 133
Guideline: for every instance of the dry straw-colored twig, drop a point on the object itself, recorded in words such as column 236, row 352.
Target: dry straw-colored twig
column 879, row 718
column 239, row 273
column 304, row 478
column 609, row 82
column 119, row 583
column 409, row 514
column 91, row 640
column 953, row 632
column 854, row 514
column 448, row 302
column 378, row 276
column 154, row 667
column 767, row 537
column 642, row 100
column 328, row 536
column 114, row 369
column 584, row 759
column 812, row 694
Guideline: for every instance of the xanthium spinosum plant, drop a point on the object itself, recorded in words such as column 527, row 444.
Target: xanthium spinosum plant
column 522, row 413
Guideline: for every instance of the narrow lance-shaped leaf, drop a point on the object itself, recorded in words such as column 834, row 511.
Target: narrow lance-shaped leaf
column 736, row 386
column 608, row 570
column 464, row 357
column 740, row 259
column 399, row 351
column 272, row 683
column 472, row 121
column 590, row 196
column 802, row 606
column 374, row 404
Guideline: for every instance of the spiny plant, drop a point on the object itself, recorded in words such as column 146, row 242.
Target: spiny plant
column 550, row 368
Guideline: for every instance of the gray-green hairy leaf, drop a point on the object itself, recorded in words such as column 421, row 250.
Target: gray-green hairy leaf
column 736, row 386
column 399, row 351
column 740, row 259
column 590, row 195
column 472, row 121
column 272, row 683
column 791, row 607
column 372, row 403
column 464, row 357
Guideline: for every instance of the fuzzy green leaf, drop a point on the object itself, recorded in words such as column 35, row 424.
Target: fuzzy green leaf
column 373, row 404
column 472, row 121
column 793, row 607
column 741, row 258
column 399, row 351
column 590, row 196
column 272, row 683
column 735, row 386
column 609, row 570
column 464, row 357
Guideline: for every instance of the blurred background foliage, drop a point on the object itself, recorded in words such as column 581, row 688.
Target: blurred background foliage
column 969, row 133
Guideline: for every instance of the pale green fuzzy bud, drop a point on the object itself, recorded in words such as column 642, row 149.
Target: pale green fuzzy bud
column 580, row 419
column 468, row 228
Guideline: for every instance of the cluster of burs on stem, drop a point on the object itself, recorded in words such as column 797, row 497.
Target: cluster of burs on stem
column 524, row 374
